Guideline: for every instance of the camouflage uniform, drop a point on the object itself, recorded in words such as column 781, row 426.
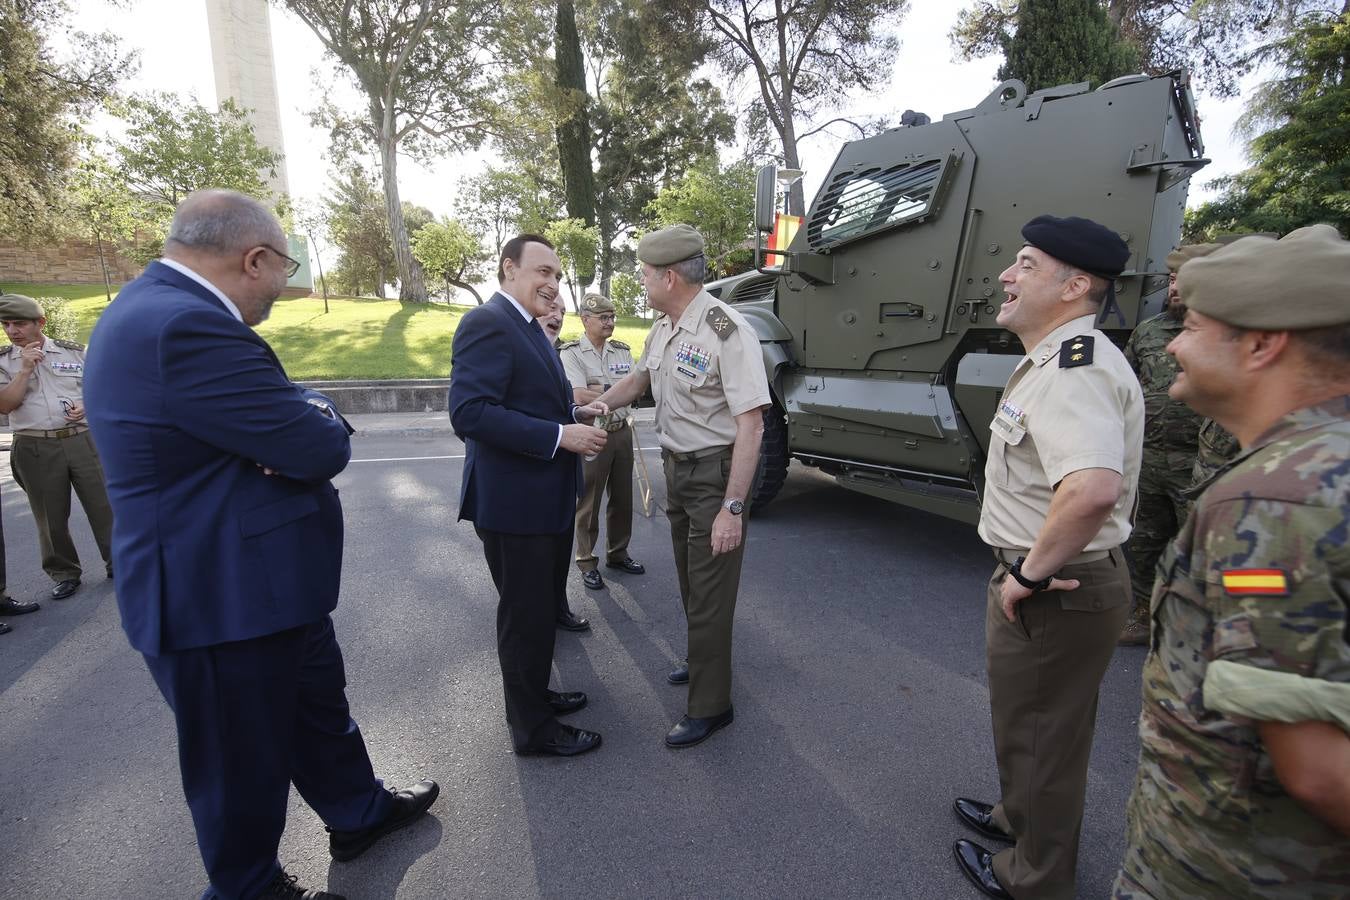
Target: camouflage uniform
column 1215, row 448
column 1170, row 429
column 1258, row 581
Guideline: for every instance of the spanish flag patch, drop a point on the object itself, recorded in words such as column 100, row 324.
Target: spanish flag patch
column 1256, row 581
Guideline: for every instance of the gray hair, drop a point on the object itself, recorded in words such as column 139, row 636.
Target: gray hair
column 692, row 270
column 223, row 222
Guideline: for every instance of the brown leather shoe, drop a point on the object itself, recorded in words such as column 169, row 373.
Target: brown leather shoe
column 1134, row 634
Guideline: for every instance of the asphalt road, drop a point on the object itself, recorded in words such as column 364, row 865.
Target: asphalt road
column 861, row 711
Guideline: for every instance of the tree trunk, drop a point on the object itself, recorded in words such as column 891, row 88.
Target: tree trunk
column 574, row 134
column 796, row 196
column 381, row 279
column 103, row 264
column 323, row 281
column 411, row 285
column 466, row 286
column 605, row 218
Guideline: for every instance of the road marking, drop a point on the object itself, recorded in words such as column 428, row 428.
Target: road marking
column 456, row 456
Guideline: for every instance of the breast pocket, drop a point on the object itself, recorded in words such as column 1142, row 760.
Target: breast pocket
column 689, row 377
column 1004, row 433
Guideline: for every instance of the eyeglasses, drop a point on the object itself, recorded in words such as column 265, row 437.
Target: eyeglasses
column 603, row 317
column 292, row 265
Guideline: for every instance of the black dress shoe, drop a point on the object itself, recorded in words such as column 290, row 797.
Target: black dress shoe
column 568, row 621
column 284, row 886
column 108, row 569
column 690, row 731
column 679, row 674
column 408, row 805
column 979, row 817
column 5, row 629
column 592, row 579
column 629, row 565
column 65, row 588
column 11, row 607
column 978, row 865
column 564, row 702
column 568, row 741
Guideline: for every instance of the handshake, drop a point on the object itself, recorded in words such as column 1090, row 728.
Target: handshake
column 585, row 437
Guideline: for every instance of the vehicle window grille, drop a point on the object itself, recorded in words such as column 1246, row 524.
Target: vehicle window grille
column 753, row 290
column 856, row 203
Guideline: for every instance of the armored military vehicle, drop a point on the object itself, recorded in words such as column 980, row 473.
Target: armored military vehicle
column 876, row 320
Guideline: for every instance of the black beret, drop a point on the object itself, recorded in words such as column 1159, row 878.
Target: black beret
column 1082, row 243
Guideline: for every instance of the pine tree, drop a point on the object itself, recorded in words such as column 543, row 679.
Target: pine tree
column 1063, row 42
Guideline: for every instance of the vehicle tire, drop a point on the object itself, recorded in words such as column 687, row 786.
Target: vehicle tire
column 773, row 458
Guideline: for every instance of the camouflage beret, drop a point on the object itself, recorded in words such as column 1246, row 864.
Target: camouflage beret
column 1265, row 284
column 594, row 304
column 670, row 245
column 14, row 307
column 1188, row 252
column 1082, row 243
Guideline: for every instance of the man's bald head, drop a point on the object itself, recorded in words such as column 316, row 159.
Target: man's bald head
column 223, row 222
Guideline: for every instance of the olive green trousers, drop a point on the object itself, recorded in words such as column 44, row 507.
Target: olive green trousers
column 46, row 469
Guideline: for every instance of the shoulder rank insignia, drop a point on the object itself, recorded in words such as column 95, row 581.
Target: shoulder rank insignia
column 568, row 345
column 721, row 322
column 620, row 344
column 69, row 345
column 1272, row 582
column 1076, row 351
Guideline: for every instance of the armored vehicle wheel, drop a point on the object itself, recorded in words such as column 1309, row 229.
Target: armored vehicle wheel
column 773, row 458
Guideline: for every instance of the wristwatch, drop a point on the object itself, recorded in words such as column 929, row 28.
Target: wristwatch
column 1016, row 572
column 735, row 507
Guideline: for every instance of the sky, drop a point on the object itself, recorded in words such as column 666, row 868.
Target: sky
column 175, row 52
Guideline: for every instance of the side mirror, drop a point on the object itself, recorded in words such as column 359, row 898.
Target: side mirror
column 766, row 197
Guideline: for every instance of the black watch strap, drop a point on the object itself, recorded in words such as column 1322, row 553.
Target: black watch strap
column 1016, row 572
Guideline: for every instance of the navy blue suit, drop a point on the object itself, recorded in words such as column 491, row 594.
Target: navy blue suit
column 508, row 395
column 226, row 575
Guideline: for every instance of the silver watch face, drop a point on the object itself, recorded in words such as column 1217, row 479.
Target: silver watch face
column 735, row 507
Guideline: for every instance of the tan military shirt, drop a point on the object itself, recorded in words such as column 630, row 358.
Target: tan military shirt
column 706, row 369
column 60, row 376
column 587, row 366
column 1066, row 408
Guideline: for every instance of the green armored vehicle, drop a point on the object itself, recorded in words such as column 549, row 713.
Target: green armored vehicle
column 877, row 322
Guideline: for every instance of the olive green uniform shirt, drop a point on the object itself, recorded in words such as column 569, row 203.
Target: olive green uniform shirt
column 1059, row 415
column 705, row 370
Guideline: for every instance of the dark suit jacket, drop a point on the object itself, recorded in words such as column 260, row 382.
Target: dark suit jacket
column 185, row 402
column 508, row 395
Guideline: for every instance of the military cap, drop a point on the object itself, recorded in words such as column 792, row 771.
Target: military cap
column 594, row 304
column 14, row 307
column 1187, row 252
column 1266, row 284
column 1082, row 243
column 670, row 245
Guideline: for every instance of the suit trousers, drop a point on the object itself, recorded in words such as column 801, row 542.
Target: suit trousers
column 527, row 570
column 695, row 489
column 611, row 469
column 255, row 717
column 1044, row 671
column 46, row 469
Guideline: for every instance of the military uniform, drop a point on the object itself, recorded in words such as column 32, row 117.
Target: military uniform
column 50, row 455
column 1170, row 435
column 1215, row 448
column 705, row 370
column 1259, row 578
column 1071, row 404
column 612, row 468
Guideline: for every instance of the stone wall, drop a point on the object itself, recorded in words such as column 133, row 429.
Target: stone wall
column 67, row 262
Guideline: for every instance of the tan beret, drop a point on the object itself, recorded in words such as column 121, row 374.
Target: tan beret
column 1288, row 284
column 14, row 307
column 594, row 304
column 670, row 245
column 1188, row 252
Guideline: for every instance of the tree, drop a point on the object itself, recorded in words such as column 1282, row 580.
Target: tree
column 625, row 293
column 42, row 100
column 1301, row 155
column 429, row 71
column 577, row 245
column 500, row 203
column 720, row 203
column 806, row 56
column 359, row 227
column 1064, row 42
column 574, row 125
column 451, row 253
column 1215, row 39
column 174, row 147
column 311, row 222
column 103, row 207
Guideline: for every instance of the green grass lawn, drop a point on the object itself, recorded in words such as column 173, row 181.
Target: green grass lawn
column 357, row 339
